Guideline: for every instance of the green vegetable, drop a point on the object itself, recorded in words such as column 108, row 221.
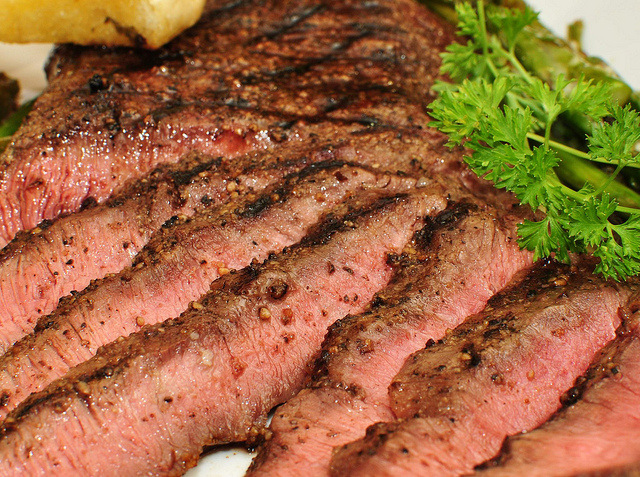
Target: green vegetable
column 545, row 55
column 506, row 116
column 12, row 124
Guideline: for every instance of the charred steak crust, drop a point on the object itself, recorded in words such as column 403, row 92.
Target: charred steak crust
column 453, row 265
column 597, row 431
column 178, row 265
column 500, row 372
column 255, row 76
column 211, row 375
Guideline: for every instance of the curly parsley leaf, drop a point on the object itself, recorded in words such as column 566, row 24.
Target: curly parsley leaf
column 505, row 116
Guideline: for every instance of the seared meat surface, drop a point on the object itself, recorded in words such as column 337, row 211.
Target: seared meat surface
column 501, row 372
column 598, row 430
column 251, row 75
column 211, row 375
column 457, row 262
column 184, row 225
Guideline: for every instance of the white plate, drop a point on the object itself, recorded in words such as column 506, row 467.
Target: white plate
column 610, row 32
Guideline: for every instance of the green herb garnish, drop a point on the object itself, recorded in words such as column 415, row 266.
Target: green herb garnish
column 506, row 116
column 12, row 123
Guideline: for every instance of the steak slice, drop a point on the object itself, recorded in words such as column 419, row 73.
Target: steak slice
column 456, row 263
column 501, row 372
column 250, row 75
column 598, row 432
column 177, row 267
column 151, row 401
column 40, row 267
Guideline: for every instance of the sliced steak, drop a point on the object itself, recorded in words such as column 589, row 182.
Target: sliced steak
column 457, row 262
column 252, row 74
column 40, row 267
column 501, row 372
column 598, row 432
column 178, row 267
column 150, row 402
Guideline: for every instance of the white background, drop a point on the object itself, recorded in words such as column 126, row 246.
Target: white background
column 611, row 32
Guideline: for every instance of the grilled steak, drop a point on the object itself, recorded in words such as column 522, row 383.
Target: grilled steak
column 271, row 86
column 455, row 265
column 40, row 267
column 251, row 74
column 501, row 372
column 212, row 374
column 177, row 267
column 598, row 432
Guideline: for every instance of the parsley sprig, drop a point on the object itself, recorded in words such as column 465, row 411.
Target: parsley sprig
column 506, row 116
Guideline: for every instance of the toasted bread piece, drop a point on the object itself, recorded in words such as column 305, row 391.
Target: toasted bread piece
column 148, row 23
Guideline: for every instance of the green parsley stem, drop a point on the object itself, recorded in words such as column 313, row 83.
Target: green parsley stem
column 608, row 182
column 485, row 38
column 547, row 134
column 558, row 146
column 483, row 27
column 628, row 210
column 554, row 178
column 12, row 123
column 515, row 62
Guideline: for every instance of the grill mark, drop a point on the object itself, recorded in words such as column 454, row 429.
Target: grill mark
column 333, row 225
column 447, row 219
column 294, row 20
column 346, row 94
column 229, row 7
column 283, row 120
column 181, row 177
column 282, row 194
column 306, row 66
